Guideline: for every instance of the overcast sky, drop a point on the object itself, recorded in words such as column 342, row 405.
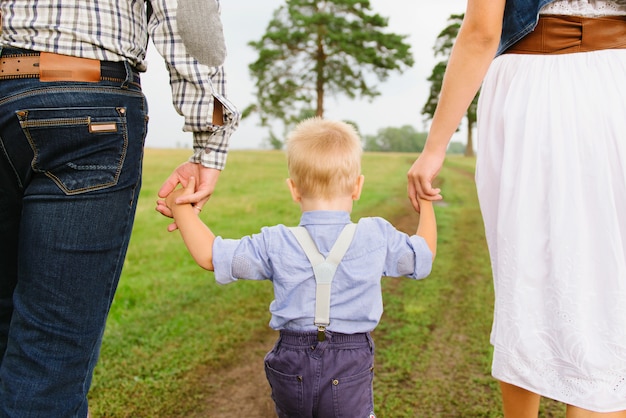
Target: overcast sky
column 402, row 95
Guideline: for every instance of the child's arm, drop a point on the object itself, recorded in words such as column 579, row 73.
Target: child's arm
column 197, row 236
column 427, row 227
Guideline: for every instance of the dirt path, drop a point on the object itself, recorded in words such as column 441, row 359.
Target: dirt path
column 240, row 391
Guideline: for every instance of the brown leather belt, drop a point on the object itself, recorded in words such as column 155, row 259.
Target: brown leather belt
column 556, row 34
column 46, row 66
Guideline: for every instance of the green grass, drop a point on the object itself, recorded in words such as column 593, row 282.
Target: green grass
column 170, row 320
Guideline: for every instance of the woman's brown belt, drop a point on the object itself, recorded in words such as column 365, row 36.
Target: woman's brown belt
column 557, row 34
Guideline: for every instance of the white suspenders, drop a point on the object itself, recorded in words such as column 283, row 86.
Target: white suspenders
column 324, row 270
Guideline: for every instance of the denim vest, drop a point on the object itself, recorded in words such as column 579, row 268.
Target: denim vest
column 520, row 18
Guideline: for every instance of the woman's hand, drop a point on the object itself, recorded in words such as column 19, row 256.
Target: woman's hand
column 421, row 176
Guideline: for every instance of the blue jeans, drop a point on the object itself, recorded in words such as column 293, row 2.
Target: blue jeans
column 70, row 173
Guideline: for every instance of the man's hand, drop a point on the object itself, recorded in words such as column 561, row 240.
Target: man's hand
column 206, row 180
column 173, row 197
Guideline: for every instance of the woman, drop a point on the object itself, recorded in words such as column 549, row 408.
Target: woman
column 551, row 180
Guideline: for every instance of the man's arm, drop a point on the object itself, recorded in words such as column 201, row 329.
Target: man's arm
column 199, row 94
column 201, row 29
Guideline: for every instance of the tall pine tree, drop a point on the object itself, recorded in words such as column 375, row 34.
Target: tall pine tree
column 315, row 48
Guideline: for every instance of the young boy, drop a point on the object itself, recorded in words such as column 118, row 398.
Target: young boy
column 322, row 364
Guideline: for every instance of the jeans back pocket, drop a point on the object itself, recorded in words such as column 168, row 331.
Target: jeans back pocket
column 353, row 396
column 287, row 392
column 81, row 149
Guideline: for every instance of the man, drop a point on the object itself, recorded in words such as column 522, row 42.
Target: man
column 73, row 121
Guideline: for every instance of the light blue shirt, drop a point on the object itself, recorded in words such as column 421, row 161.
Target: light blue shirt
column 377, row 250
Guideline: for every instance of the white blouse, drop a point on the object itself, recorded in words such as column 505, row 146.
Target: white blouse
column 588, row 8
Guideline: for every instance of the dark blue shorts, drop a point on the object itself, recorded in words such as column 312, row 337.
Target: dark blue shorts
column 332, row 378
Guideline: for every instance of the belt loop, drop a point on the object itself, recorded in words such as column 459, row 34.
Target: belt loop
column 129, row 75
column 319, row 348
column 370, row 341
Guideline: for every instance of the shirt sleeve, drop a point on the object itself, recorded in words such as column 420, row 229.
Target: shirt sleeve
column 246, row 258
column 223, row 253
column 423, row 263
column 198, row 91
column 407, row 255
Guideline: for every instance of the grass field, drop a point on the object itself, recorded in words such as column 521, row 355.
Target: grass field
column 177, row 344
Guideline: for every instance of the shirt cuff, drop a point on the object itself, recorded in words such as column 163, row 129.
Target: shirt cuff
column 423, row 256
column 205, row 154
column 211, row 146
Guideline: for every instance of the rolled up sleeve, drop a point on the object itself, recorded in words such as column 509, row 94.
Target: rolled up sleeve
column 223, row 253
column 423, row 260
column 196, row 90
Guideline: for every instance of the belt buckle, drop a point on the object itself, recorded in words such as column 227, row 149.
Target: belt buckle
column 56, row 67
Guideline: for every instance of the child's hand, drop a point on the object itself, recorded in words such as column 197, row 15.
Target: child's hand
column 167, row 205
column 171, row 199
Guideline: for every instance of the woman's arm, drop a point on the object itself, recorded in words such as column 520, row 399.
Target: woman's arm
column 473, row 51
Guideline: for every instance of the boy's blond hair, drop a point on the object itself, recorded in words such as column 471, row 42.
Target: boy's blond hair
column 324, row 157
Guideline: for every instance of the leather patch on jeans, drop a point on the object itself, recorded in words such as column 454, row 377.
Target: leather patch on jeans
column 55, row 67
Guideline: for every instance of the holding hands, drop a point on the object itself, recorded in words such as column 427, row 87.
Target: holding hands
column 179, row 195
column 197, row 236
column 421, row 176
column 196, row 192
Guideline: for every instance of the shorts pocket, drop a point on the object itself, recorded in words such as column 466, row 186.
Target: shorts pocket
column 287, row 392
column 80, row 149
column 353, row 396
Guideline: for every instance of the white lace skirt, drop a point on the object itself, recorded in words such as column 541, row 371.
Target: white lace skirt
column 551, row 179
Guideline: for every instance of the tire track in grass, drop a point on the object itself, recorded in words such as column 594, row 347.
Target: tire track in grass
column 435, row 360
column 441, row 357
column 239, row 389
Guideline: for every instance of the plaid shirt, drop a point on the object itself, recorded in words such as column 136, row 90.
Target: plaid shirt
column 114, row 30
